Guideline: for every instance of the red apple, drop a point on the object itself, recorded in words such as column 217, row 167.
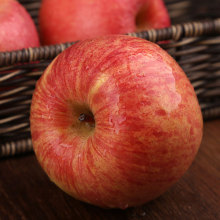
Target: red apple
column 71, row 20
column 115, row 121
column 17, row 29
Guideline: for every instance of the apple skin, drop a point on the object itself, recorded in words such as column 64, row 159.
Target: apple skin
column 148, row 123
column 72, row 20
column 17, row 29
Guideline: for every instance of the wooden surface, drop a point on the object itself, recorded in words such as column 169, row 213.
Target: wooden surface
column 27, row 193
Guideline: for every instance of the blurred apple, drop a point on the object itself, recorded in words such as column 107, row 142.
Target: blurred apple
column 72, row 20
column 114, row 121
column 17, row 29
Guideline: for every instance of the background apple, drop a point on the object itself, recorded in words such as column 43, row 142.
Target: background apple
column 17, row 30
column 71, row 20
column 115, row 121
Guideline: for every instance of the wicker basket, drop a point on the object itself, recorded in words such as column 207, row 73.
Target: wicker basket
column 195, row 45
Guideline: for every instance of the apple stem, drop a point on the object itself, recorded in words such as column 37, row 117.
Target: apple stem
column 82, row 117
column 86, row 118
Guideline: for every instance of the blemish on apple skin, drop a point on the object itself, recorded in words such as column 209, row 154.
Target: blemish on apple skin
column 65, row 145
column 104, row 152
column 161, row 112
column 116, row 124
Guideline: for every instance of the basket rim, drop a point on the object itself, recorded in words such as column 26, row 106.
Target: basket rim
column 174, row 32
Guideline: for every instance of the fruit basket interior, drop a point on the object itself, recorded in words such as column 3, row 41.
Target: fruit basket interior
column 193, row 40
